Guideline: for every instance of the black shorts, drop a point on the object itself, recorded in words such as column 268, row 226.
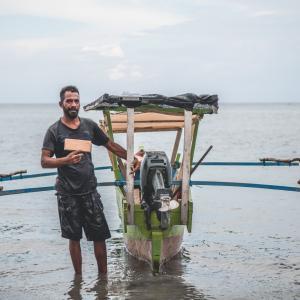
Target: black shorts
column 84, row 211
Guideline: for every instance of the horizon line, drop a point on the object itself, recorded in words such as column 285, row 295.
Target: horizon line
column 84, row 103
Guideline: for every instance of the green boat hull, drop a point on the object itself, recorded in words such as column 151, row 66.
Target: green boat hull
column 155, row 246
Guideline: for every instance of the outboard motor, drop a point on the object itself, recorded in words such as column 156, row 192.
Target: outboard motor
column 155, row 182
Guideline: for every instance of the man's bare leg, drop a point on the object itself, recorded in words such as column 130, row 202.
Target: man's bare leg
column 75, row 252
column 101, row 256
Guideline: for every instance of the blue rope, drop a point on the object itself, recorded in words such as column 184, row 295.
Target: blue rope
column 248, row 185
column 246, row 164
column 196, row 183
column 28, row 190
column 21, row 176
column 220, row 163
column 48, row 188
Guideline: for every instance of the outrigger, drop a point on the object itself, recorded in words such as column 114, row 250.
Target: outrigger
column 153, row 210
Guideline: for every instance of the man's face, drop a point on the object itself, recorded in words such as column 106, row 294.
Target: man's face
column 71, row 104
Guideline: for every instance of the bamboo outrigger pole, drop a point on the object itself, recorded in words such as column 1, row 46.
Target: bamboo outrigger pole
column 287, row 161
column 21, row 172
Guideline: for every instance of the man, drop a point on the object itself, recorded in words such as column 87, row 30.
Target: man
column 79, row 203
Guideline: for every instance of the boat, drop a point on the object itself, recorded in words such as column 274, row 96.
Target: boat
column 154, row 234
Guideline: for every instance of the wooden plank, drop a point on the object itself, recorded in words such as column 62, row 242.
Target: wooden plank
column 147, row 117
column 130, row 157
column 147, row 122
column 176, row 145
column 78, row 145
column 148, row 126
column 186, row 166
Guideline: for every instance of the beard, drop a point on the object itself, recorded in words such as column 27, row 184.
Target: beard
column 71, row 113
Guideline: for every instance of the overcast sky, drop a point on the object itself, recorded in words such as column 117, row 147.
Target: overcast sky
column 244, row 51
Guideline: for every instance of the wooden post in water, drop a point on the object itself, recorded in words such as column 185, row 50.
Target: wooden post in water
column 186, row 166
column 130, row 157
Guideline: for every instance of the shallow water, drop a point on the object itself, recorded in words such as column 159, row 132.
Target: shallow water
column 245, row 243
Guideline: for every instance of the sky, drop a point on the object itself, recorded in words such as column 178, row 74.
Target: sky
column 244, row 51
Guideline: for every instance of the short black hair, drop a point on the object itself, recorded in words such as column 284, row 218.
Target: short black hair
column 68, row 88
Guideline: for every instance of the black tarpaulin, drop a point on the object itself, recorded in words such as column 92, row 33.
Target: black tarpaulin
column 187, row 101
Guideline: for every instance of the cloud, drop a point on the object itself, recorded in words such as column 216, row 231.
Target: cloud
column 123, row 70
column 28, row 47
column 265, row 13
column 104, row 50
column 109, row 22
column 121, row 16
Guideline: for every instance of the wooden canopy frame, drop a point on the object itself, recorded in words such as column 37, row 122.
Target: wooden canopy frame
column 131, row 122
column 149, row 121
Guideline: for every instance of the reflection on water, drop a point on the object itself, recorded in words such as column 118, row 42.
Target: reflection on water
column 75, row 288
column 132, row 279
column 98, row 289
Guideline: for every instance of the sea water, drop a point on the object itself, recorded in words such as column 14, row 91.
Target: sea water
column 245, row 243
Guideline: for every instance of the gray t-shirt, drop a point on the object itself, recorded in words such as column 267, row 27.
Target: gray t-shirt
column 76, row 178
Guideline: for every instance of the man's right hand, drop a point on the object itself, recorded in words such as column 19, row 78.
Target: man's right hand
column 73, row 158
column 47, row 161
